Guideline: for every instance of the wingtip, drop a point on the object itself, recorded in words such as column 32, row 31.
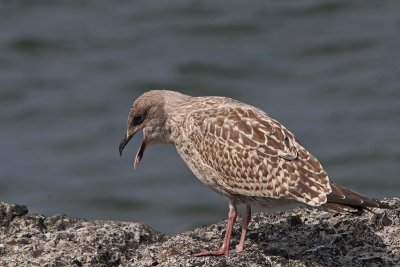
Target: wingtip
column 383, row 205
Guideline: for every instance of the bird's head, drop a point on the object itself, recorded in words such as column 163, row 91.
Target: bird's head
column 147, row 113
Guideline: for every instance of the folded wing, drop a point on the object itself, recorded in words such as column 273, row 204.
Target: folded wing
column 256, row 156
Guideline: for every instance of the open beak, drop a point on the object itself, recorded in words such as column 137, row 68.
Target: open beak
column 124, row 142
column 139, row 154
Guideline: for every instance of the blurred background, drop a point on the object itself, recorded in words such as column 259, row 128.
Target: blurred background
column 69, row 71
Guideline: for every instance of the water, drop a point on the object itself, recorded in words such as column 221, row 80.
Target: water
column 69, row 70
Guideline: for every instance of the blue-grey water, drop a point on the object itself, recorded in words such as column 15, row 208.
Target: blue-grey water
column 69, row 71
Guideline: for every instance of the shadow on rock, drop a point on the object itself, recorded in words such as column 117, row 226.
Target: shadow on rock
column 314, row 237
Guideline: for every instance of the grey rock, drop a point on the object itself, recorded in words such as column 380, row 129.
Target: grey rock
column 298, row 237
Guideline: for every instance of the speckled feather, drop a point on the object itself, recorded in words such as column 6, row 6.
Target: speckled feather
column 249, row 155
column 239, row 151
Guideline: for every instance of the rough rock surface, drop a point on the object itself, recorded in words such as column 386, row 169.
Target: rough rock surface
column 298, row 237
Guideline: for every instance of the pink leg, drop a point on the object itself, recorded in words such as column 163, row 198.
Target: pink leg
column 245, row 223
column 225, row 244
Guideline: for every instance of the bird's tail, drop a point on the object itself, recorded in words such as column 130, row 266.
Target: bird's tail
column 342, row 199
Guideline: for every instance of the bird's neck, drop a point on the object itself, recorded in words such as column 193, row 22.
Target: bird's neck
column 180, row 106
column 177, row 110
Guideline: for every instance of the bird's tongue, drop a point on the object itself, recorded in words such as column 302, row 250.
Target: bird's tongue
column 139, row 154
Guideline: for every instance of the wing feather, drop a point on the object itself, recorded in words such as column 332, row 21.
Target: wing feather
column 256, row 156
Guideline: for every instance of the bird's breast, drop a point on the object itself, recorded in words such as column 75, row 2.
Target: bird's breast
column 200, row 169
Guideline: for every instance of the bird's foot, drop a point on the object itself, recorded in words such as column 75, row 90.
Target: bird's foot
column 212, row 253
column 240, row 247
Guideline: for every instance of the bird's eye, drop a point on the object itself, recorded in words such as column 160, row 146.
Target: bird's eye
column 137, row 119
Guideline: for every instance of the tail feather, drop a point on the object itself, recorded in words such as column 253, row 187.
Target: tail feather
column 339, row 208
column 342, row 199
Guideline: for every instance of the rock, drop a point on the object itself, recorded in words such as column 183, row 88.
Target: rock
column 30, row 239
column 298, row 237
column 8, row 212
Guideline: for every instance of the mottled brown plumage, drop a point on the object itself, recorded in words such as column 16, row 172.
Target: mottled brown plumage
column 240, row 152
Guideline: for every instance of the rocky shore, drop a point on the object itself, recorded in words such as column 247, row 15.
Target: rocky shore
column 298, row 237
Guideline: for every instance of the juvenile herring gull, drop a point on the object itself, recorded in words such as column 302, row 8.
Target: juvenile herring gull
column 240, row 152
